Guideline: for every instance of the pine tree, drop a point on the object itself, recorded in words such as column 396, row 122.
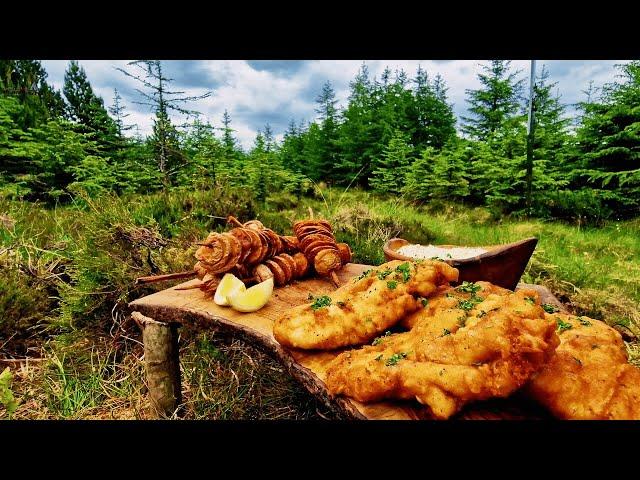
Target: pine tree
column 390, row 170
column 608, row 160
column 325, row 157
column 495, row 102
column 25, row 80
column 86, row 108
column 169, row 158
column 433, row 117
column 440, row 174
column 117, row 110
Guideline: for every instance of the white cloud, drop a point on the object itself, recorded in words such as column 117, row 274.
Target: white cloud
column 253, row 96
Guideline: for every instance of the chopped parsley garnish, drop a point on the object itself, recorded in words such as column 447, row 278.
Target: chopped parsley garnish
column 385, row 274
column 363, row 274
column 378, row 340
column 562, row 326
column 378, row 358
column 319, row 302
column 449, row 255
column 404, row 269
column 469, row 287
column 395, row 358
column 424, row 301
column 583, row 321
column 445, row 332
column 436, row 258
column 469, row 304
column 547, row 307
column 392, row 285
column 530, row 300
column 462, row 321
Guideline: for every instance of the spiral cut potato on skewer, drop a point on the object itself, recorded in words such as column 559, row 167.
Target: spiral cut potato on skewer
column 282, row 268
column 317, row 242
column 254, row 253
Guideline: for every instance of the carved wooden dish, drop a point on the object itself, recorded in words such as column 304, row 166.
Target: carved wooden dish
column 501, row 265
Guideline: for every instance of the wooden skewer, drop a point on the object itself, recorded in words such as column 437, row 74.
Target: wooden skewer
column 162, row 278
column 233, row 220
column 190, row 287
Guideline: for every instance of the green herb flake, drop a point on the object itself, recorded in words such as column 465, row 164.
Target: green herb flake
column 584, row 322
column 404, row 269
column 467, row 305
column 462, row 321
column 530, row 300
column 378, row 358
column 445, row 332
column 395, row 358
column 424, row 301
column 384, row 274
column 547, row 307
column 379, row 339
column 481, row 314
column 319, row 302
column 392, row 285
column 469, row 287
column 562, row 326
column 363, row 274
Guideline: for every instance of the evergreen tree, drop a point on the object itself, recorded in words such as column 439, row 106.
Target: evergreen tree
column 86, row 108
column 433, row 117
column 118, row 111
column 439, row 174
column 608, row 161
column 169, row 158
column 25, row 80
column 325, row 157
column 495, row 102
column 390, row 169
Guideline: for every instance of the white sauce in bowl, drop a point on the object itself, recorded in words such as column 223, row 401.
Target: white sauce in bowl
column 430, row 251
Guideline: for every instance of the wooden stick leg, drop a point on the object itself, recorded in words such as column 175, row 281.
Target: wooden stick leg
column 162, row 364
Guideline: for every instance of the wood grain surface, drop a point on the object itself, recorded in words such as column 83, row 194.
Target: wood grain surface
column 192, row 308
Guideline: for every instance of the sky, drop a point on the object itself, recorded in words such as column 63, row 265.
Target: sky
column 276, row 91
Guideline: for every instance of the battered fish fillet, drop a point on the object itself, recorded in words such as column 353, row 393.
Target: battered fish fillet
column 589, row 377
column 490, row 350
column 355, row 313
column 444, row 301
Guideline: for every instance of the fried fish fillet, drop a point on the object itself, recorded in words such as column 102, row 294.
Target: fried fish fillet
column 358, row 311
column 493, row 348
column 589, row 377
column 445, row 302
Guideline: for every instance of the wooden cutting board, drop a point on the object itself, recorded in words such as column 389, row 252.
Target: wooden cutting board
column 194, row 309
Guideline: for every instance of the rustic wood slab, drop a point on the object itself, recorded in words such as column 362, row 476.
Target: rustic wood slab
column 194, row 309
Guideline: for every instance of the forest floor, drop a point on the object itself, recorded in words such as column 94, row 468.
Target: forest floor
column 69, row 271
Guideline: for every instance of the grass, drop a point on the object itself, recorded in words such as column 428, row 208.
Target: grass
column 69, row 272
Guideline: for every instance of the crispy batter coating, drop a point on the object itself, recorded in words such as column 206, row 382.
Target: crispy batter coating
column 493, row 348
column 589, row 377
column 364, row 307
column 444, row 301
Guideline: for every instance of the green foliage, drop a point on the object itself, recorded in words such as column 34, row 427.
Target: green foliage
column 6, row 395
column 390, row 169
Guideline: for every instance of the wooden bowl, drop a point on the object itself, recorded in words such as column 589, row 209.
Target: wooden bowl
column 502, row 265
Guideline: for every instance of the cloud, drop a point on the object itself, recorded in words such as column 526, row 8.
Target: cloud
column 257, row 92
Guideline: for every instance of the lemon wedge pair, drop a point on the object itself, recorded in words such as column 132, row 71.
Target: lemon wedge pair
column 232, row 292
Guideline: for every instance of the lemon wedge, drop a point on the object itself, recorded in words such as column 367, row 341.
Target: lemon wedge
column 253, row 298
column 229, row 284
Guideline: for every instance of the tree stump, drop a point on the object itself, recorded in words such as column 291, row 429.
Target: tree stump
column 162, row 364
